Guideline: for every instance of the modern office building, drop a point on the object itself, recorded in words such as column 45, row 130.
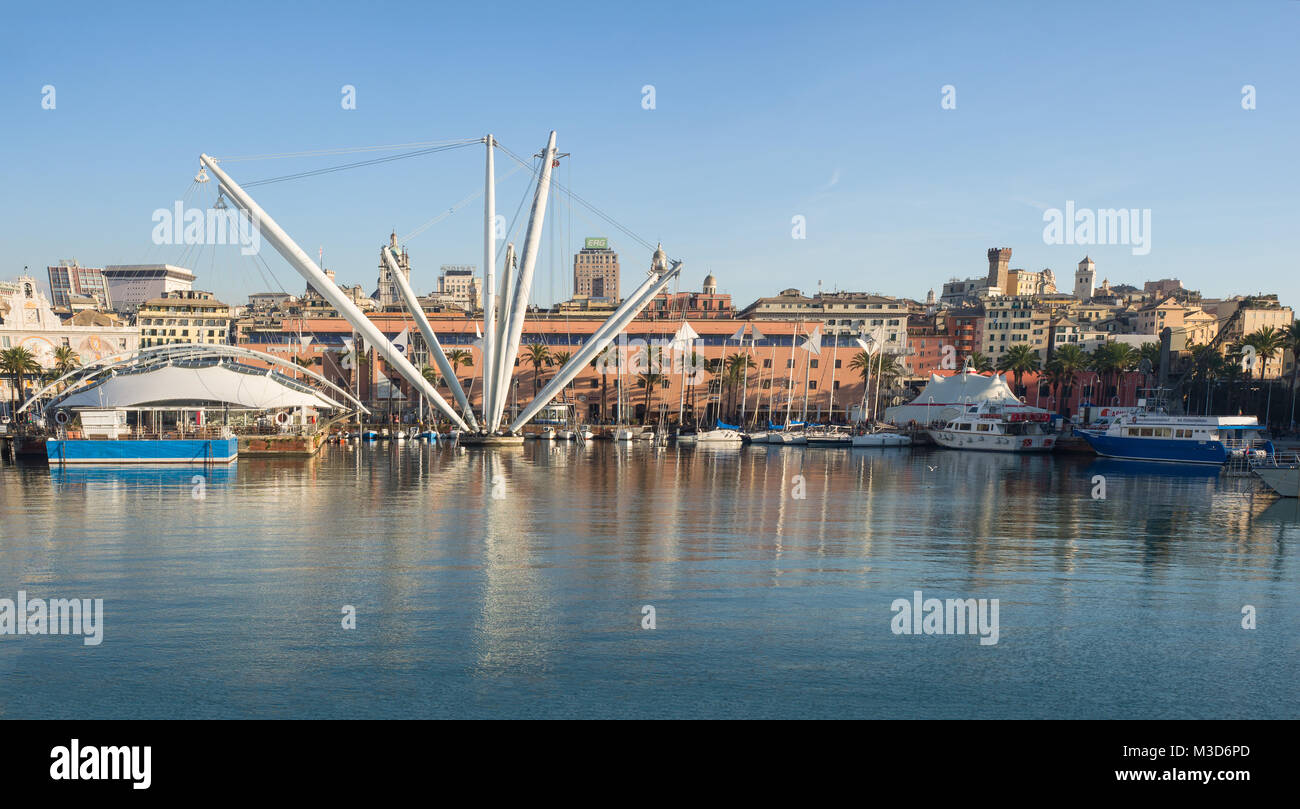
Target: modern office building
column 130, row 285
column 69, row 279
column 595, row 271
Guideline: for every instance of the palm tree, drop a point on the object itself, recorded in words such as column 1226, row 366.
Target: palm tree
column 458, row 357
column 561, row 359
column 600, row 363
column 65, row 361
column 1019, row 359
column 430, row 375
column 1071, row 360
column 1266, row 341
column 18, row 363
column 692, row 369
column 649, row 379
column 1111, row 359
column 736, row 367
column 1291, row 342
column 981, row 363
column 538, row 354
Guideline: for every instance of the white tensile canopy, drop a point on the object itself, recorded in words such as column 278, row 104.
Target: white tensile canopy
column 216, row 384
column 944, row 398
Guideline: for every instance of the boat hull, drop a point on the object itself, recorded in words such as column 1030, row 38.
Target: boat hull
column 1164, row 450
column 142, row 451
column 882, row 440
column 1283, row 480
column 993, row 442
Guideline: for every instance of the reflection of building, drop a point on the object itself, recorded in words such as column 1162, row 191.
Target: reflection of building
column 130, row 285
column 183, row 317
column 69, row 280
column 28, row 320
column 595, row 271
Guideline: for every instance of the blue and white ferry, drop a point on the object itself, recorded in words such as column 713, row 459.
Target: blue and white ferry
column 1178, row 439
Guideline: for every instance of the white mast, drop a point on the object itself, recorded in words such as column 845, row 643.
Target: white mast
column 301, row 262
column 598, row 341
column 430, row 339
column 503, row 365
column 518, row 305
column 489, row 284
column 789, row 382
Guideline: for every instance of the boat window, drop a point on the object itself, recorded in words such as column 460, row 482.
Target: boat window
column 983, row 427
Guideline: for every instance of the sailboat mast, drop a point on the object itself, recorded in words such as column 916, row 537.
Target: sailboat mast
column 489, row 284
column 789, row 382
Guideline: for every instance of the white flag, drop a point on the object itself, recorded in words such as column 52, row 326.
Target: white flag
column 756, row 334
column 813, row 342
column 305, row 340
column 402, row 341
column 683, row 337
column 739, row 335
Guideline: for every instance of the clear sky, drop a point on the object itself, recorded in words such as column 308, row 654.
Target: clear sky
column 763, row 112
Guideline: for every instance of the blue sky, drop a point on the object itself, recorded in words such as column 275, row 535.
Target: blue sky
column 762, row 112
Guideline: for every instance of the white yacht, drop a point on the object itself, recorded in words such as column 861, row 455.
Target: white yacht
column 998, row 427
column 882, row 438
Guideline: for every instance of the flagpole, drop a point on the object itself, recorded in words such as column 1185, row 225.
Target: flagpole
column 807, row 365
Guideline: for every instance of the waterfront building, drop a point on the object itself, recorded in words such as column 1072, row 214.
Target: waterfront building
column 595, row 271
column 842, row 314
column 1256, row 312
column 28, row 320
column 190, row 316
column 130, row 285
column 70, row 280
column 594, row 393
column 707, row 303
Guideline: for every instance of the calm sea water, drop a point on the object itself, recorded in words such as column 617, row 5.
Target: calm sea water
column 529, row 603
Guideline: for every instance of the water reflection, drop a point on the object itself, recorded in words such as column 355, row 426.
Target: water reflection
column 493, row 580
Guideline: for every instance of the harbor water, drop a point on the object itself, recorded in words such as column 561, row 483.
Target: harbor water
column 514, row 582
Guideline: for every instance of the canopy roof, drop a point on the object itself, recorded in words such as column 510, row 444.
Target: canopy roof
column 943, row 398
column 210, row 383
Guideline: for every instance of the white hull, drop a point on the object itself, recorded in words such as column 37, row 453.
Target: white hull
column 1280, row 479
column 719, row 437
column 882, row 440
column 686, row 438
column 566, row 435
column 759, row 438
column 993, row 442
column 623, row 434
column 789, row 439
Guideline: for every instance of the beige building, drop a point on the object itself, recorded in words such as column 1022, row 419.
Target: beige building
column 595, row 271
column 184, row 317
column 28, row 320
column 1012, row 319
column 843, row 314
column 458, row 286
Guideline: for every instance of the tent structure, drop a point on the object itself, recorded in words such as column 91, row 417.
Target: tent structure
column 943, row 398
column 207, row 384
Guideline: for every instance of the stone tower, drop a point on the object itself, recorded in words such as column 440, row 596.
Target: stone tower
column 1000, row 268
column 1085, row 279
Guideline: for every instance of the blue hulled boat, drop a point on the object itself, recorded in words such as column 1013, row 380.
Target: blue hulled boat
column 1178, row 439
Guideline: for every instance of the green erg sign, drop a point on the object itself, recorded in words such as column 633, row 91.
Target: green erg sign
column 601, row 243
